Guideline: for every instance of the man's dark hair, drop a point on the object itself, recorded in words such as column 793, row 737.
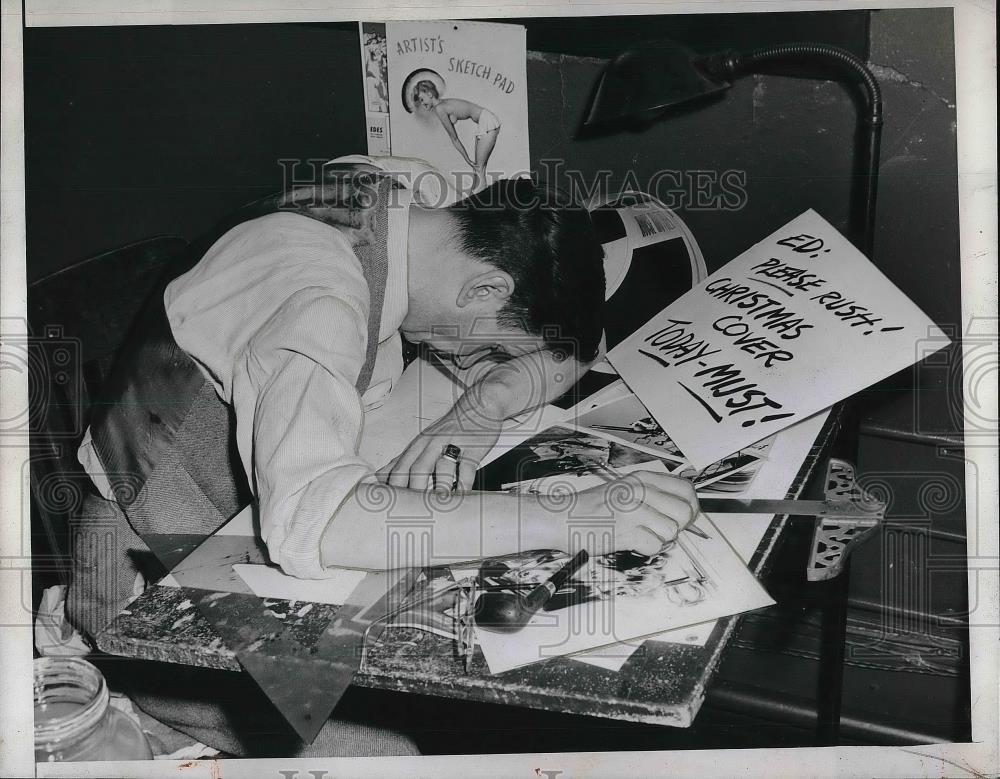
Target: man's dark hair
column 546, row 242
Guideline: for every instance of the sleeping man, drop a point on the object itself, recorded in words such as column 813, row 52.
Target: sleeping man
column 248, row 377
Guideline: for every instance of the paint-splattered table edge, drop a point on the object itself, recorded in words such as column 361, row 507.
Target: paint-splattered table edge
column 662, row 683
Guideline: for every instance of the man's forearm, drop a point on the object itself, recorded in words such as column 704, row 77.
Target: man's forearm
column 442, row 528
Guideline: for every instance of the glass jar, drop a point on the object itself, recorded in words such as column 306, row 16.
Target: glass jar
column 74, row 719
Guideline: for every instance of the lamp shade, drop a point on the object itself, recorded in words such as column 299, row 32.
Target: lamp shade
column 644, row 81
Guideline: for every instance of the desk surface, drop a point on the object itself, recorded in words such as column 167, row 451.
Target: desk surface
column 662, row 683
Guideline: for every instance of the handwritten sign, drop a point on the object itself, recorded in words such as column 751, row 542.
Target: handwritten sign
column 796, row 323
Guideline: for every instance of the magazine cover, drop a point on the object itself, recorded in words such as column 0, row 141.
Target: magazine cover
column 451, row 93
column 375, row 72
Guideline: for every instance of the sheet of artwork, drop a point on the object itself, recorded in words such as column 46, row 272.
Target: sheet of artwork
column 454, row 94
column 571, row 458
column 612, row 392
column 731, row 474
column 613, row 656
column 627, row 419
column 574, row 481
column 623, row 596
column 561, row 455
column 430, row 605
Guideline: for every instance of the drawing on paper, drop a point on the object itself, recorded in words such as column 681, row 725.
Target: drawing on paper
column 563, row 459
column 675, row 573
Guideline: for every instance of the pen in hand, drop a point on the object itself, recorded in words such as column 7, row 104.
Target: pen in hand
column 610, row 473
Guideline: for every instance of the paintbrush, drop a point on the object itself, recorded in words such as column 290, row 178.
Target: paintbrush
column 610, row 473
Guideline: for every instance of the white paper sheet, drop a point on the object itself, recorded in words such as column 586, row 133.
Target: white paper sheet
column 639, row 603
column 269, row 582
column 614, row 391
column 614, row 656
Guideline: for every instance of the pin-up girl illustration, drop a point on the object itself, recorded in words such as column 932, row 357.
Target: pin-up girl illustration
column 425, row 89
column 376, row 73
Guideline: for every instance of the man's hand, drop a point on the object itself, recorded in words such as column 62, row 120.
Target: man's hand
column 648, row 509
column 473, row 429
column 475, row 422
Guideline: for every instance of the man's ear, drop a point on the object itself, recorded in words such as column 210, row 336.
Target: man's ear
column 492, row 286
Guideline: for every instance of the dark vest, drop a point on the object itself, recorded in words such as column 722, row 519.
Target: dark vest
column 158, row 411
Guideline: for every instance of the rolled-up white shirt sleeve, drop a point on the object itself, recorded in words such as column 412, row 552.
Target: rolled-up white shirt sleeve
column 276, row 315
column 298, row 421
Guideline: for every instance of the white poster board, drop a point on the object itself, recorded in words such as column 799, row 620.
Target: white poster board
column 450, row 93
column 796, row 323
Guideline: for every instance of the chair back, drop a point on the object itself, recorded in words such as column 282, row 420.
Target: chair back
column 78, row 318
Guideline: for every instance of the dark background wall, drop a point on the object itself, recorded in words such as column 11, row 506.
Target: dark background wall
column 137, row 131
column 133, row 132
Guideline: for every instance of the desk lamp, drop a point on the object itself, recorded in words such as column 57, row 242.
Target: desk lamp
column 651, row 80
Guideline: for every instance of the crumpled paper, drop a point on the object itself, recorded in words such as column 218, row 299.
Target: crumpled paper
column 54, row 635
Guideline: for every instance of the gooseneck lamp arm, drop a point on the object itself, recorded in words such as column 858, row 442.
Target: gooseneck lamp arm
column 731, row 65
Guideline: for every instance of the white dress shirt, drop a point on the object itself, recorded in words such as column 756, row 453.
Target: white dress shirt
column 276, row 316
